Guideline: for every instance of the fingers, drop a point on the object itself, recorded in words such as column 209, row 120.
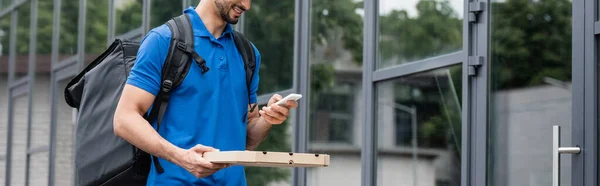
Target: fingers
column 268, row 118
column 199, row 166
column 283, row 111
column 274, row 114
column 275, row 98
column 292, row 104
column 201, row 149
column 276, row 111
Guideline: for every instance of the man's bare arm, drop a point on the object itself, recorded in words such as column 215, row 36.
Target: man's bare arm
column 130, row 125
column 257, row 129
column 259, row 125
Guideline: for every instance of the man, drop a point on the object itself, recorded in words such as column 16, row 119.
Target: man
column 207, row 111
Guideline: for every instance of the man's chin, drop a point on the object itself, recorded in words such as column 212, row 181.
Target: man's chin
column 233, row 21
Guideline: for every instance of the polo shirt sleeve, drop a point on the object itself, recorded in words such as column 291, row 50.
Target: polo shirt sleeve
column 146, row 72
column 255, row 79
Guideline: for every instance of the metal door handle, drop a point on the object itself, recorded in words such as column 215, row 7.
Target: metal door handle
column 556, row 151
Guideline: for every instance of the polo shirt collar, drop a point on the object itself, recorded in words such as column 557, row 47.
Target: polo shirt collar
column 199, row 27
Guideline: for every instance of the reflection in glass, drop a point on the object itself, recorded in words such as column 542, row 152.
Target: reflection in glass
column 419, row 128
column 163, row 11
column 23, row 33
column 40, row 126
column 96, row 29
column 128, row 16
column 40, row 116
column 64, row 162
column 69, row 25
column 19, row 139
column 279, row 140
column 270, row 27
column 38, row 169
column 3, row 4
column 3, row 107
column 335, row 112
column 194, row 2
column 530, row 90
column 4, row 49
column 415, row 30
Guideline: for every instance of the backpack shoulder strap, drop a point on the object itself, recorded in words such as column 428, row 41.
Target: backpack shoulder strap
column 247, row 51
column 175, row 68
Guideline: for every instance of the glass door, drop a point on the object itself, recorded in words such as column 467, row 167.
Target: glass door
column 536, row 97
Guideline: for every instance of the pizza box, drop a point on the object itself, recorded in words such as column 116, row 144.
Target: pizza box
column 268, row 159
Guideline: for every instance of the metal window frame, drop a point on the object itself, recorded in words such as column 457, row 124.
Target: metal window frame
column 578, row 91
column 146, row 16
column 474, row 43
column 32, row 63
column 11, row 95
column 370, row 47
column 110, row 35
column 588, row 40
column 61, row 70
column 14, row 5
column 418, row 66
column 24, row 86
column 301, row 84
column 53, row 101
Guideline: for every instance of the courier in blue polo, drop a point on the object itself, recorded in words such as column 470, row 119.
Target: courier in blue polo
column 208, row 109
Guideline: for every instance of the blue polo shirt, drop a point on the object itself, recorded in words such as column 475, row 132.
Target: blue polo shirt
column 208, row 109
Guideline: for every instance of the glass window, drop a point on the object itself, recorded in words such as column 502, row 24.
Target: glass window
column 530, row 90
column 38, row 168
column 194, row 3
column 64, row 161
column 5, row 3
column 69, row 21
column 419, row 128
column 23, row 33
column 19, row 139
column 40, row 116
column 335, row 112
column 96, row 29
column 4, row 35
column 4, row 42
column 416, row 30
column 279, row 139
column 3, row 111
column 163, row 11
column 128, row 16
column 270, row 27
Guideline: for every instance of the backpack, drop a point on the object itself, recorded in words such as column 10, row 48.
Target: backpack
column 101, row 157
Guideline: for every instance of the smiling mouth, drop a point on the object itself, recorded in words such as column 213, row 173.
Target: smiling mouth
column 238, row 9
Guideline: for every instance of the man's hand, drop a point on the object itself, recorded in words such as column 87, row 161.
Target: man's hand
column 275, row 114
column 193, row 162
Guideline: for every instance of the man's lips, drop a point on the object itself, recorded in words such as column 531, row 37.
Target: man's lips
column 239, row 10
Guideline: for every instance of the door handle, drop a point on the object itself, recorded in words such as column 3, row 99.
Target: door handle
column 556, row 151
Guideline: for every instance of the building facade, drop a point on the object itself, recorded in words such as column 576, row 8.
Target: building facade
column 402, row 93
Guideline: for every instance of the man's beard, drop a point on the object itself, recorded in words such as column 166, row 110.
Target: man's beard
column 224, row 12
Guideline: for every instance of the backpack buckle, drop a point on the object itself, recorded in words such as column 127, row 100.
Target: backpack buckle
column 167, row 85
column 181, row 46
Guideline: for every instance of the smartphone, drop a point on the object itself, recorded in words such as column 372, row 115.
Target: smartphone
column 293, row 97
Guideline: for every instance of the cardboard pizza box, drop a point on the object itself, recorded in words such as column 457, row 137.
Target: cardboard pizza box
column 268, row 159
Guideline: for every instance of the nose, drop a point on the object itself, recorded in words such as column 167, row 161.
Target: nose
column 246, row 4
